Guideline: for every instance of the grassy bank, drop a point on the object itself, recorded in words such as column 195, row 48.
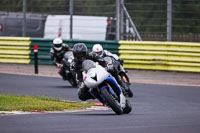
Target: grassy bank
column 29, row 103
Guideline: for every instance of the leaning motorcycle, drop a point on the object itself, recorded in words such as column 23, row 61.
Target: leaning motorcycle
column 70, row 75
column 119, row 73
column 104, row 87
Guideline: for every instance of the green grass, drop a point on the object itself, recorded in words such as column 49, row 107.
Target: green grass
column 29, row 103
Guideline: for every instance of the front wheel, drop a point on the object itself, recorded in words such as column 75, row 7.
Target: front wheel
column 127, row 85
column 127, row 108
column 72, row 82
column 130, row 93
column 112, row 102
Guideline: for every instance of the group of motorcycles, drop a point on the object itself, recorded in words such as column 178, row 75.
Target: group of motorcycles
column 103, row 83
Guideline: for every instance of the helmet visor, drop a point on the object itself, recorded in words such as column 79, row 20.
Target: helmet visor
column 99, row 53
column 58, row 45
column 79, row 55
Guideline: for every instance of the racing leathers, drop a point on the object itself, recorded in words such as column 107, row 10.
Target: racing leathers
column 57, row 56
column 106, row 53
column 76, row 66
column 114, row 73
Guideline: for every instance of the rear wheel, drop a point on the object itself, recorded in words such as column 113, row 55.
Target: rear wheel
column 112, row 102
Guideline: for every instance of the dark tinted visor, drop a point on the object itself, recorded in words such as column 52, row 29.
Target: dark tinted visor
column 79, row 55
column 57, row 45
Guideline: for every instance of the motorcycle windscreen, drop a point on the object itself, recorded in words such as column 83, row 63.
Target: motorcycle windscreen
column 88, row 64
column 68, row 54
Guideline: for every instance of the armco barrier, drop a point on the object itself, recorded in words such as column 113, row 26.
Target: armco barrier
column 14, row 50
column 44, row 46
column 172, row 56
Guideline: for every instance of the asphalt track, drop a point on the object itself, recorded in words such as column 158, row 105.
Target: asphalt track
column 156, row 109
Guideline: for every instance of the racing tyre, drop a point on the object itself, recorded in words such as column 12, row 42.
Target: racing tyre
column 128, row 107
column 128, row 90
column 112, row 102
column 72, row 82
column 130, row 93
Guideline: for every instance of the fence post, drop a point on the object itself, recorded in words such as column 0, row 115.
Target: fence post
column 121, row 21
column 24, row 19
column 117, row 25
column 71, row 11
column 169, row 20
column 36, row 59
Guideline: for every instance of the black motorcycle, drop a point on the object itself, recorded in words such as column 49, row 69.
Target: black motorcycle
column 70, row 76
column 120, row 75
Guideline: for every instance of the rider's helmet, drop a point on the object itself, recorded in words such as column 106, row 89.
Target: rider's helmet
column 57, row 44
column 98, row 49
column 80, row 51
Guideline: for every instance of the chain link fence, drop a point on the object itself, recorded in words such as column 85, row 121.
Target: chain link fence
column 149, row 17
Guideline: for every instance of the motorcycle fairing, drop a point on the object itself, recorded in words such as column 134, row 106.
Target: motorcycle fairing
column 111, row 79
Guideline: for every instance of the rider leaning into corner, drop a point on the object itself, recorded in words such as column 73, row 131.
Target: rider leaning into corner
column 81, row 53
column 57, row 52
column 98, row 50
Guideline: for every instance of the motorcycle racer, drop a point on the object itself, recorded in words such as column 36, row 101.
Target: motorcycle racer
column 81, row 53
column 98, row 49
column 57, row 52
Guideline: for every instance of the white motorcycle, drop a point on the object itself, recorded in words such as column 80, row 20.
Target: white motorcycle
column 104, row 87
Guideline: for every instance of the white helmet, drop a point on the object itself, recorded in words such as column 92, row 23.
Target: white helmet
column 97, row 48
column 57, row 44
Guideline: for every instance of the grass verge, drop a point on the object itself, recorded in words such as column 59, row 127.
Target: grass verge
column 29, row 103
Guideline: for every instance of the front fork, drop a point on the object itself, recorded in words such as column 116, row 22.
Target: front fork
column 96, row 93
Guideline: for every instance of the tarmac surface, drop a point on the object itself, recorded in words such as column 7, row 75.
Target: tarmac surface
column 136, row 76
column 163, row 102
column 157, row 108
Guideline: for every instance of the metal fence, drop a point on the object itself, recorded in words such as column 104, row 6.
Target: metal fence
column 149, row 16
